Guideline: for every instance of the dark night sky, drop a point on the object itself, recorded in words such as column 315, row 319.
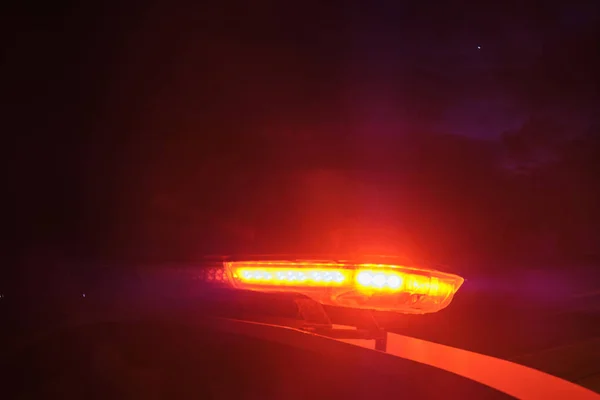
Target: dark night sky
column 464, row 70
column 460, row 69
column 106, row 102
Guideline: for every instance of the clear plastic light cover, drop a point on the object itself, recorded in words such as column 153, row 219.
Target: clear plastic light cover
column 367, row 286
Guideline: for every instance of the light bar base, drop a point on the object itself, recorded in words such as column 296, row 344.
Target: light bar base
column 316, row 320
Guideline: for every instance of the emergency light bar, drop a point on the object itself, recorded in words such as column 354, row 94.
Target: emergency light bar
column 357, row 285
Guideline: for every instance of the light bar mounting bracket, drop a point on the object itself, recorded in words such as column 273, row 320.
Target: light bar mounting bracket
column 316, row 320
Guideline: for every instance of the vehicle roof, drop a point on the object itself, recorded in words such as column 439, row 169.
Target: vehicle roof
column 250, row 359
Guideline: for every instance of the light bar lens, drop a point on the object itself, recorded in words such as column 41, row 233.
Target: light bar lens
column 293, row 276
column 213, row 275
column 369, row 286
